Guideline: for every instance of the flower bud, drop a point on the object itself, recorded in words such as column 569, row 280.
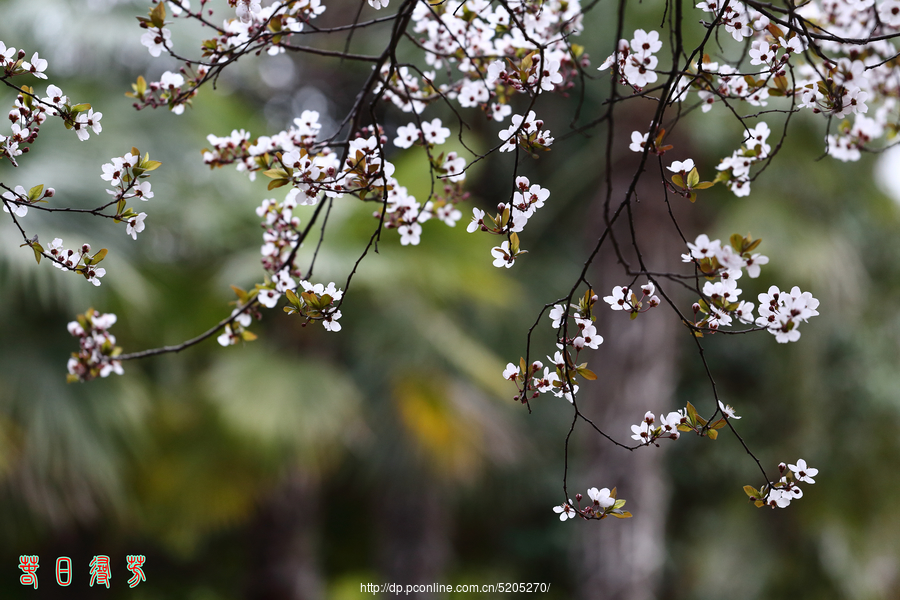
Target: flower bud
column 696, row 307
column 49, row 193
column 85, row 248
column 578, row 497
column 781, row 467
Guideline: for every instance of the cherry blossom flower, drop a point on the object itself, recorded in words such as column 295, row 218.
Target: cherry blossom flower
column 681, row 166
column 407, row 135
column 135, row 225
column 502, row 255
column 37, row 67
column 510, row 372
column 20, row 210
column 410, row 234
column 601, row 497
column 803, row 472
column 727, row 410
column 156, row 41
column 477, row 220
column 565, row 511
column 434, row 132
column 638, row 141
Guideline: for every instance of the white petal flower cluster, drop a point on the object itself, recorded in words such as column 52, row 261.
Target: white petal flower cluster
column 29, row 112
column 722, row 303
column 603, row 503
column 496, row 49
column 236, row 331
column 781, row 493
column 124, row 174
column 97, row 347
column 782, row 312
column 647, row 432
column 737, row 166
column 622, row 298
column 525, row 131
column 635, row 62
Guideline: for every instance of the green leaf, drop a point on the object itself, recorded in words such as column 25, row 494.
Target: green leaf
column 619, row 504
column 158, row 15
column 241, row 294
column 81, row 107
column 703, row 185
column 751, row 491
column 713, row 434
column 35, row 192
column 621, row 515
column 37, row 253
column 692, row 412
column 248, row 336
column 678, row 181
column 292, row 297
column 587, row 373
column 693, row 178
column 277, row 183
column 722, row 177
column 101, row 254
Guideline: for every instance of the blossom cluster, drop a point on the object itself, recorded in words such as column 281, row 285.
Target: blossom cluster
column 317, row 303
column 634, row 62
column 254, row 28
column 510, row 220
column 17, row 200
column 671, row 425
column 561, row 381
column 780, row 313
column 779, row 494
column 603, row 504
column 123, row 174
column 497, row 50
column 823, row 74
column 241, row 317
column 80, row 260
column 30, row 110
column 98, row 351
column 735, row 169
column 622, row 298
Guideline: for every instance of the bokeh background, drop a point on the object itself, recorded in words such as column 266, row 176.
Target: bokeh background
column 307, row 463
